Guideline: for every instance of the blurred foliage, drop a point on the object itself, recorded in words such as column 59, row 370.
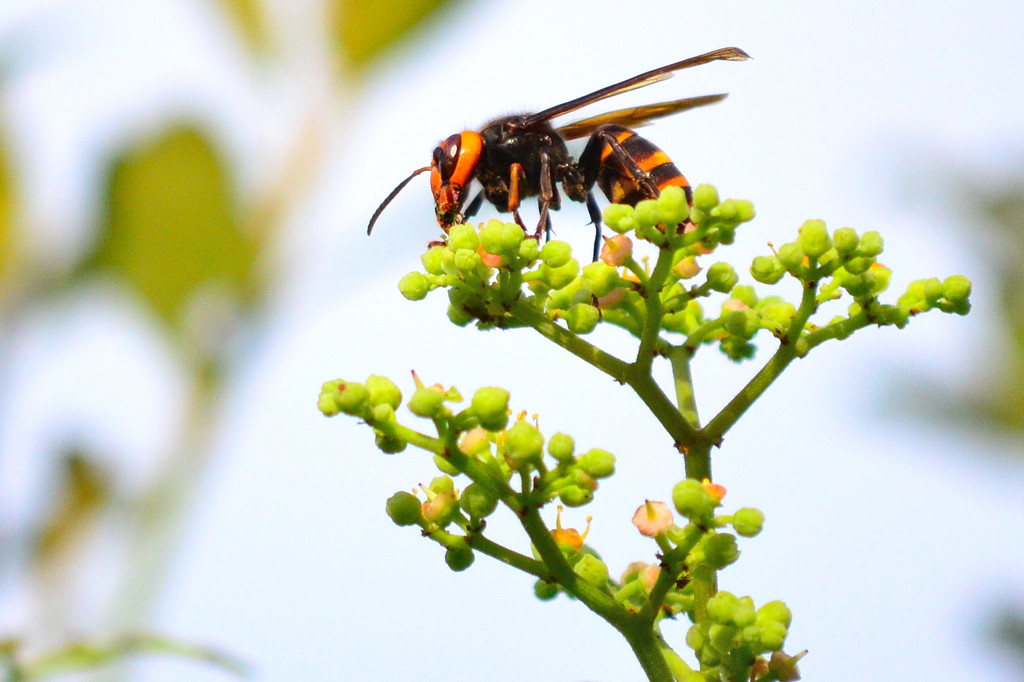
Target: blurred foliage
column 172, row 225
column 84, row 490
column 6, row 214
column 249, row 18
column 365, row 29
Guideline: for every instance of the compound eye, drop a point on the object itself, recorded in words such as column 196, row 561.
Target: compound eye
column 446, row 156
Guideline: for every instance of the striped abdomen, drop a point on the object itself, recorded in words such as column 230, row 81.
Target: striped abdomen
column 619, row 183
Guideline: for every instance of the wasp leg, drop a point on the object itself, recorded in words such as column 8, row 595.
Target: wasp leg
column 640, row 176
column 516, row 172
column 595, row 218
column 548, row 197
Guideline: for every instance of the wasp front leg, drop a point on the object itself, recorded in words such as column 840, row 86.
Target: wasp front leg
column 516, row 174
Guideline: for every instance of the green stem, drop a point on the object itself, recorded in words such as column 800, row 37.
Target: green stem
column 647, row 647
column 655, row 310
column 683, row 381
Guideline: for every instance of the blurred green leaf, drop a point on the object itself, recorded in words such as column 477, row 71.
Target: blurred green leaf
column 84, row 490
column 172, row 226
column 6, row 213
column 364, row 29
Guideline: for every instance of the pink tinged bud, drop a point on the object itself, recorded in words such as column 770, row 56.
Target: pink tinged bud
column 473, row 441
column 569, row 538
column 617, row 250
column 649, row 576
column 697, row 248
column 489, row 259
column 734, row 304
column 652, row 518
column 612, row 299
column 686, row 268
column 717, row 492
column 438, row 505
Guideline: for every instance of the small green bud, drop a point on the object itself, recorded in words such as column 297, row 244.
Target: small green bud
column 870, row 245
column 444, row 465
column 490, row 405
column 722, row 277
column 792, row 257
column 529, row 250
column 414, row 286
column 721, row 636
column 582, row 318
column 743, row 323
column 561, row 446
column 722, row 608
column 772, row 635
column 720, row 550
column 477, row 501
column 672, row 205
column 501, row 239
column 592, row 570
column 776, row 611
column 459, row 557
column 442, row 484
column 744, row 210
column 774, row 309
column 382, row 414
column 468, row 263
column 343, row 396
column 692, row 501
column 404, row 509
column 860, row 285
column 748, row 521
column 743, row 614
column 956, row 288
column 389, row 445
column 933, row 291
column 382, row 391
column 814, row 240
column 859, row 265
column 544, row 590
column 463, row 236
column 619, row 217
column 459, row 316
column 883, row 276
column 600, row 278
column 426, row 402
column 767, row 269
column 524, row 445
column 846, row 240
column 575, row 496
column 647, row 213
column 783, row 667
column 556, row 253
column 433, row 260
column 696, row 637
column 705, row 197
column 598, row 463
column 560, row 277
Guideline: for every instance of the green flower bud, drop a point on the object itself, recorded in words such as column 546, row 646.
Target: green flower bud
column 693, row 501
column 792, row 257
column 600, row 278
column 647, row 212
column 722, row 607
column 459, row 557
column 544, row 590
column 426, row 402
column 722, row 277
column 742, row 323
column 477, row 501
column 444, row 465
column 860, row 285
column 883, row 276
column 767, row 269
column 459, row 316
column 442, row 484
column 846, row 241
column 343, row 396
column 414, row 286
column 814, row 240
column 501, row 239
column 705, row 197
column 582, row 318
column 529, row 250
column 744, row 210
column 560, row 277
column 709, row 657
column 776, row 611
column 720, row 550
column 933, row 291
column 556, row 253
column 722, row 636
column 389, row 445
column 748, row 521
column 783, row 667
column 463, row 236
column 956, row 288
column 433, row 260
column 382, row 414
column 561, row 446
column 490, row 405
column 598, row 463
column 772, row 635
column 575, row 496
column 619, row 217
column 870, row 245
column 672, row 205
column 382, row 391
column 524, row 445
column 404, row 509
column 743, row 614
column 592, row 570
column 858, row 266
column 696, row 637
column 774, row 309
column 468, row 263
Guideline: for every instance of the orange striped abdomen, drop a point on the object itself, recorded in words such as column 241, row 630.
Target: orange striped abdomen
column 618, row 182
